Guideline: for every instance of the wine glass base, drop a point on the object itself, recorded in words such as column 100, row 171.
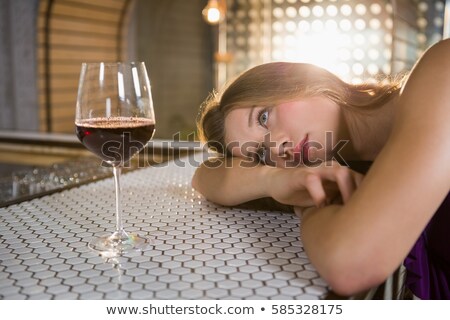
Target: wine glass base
column 118, row 243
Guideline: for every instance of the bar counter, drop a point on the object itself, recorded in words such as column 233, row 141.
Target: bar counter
column 199, row 250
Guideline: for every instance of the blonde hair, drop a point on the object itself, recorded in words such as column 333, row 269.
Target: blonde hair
column 274, row 83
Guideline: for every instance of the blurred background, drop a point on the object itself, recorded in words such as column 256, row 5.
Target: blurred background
column 191, row 47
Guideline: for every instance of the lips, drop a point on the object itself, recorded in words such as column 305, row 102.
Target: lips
column 301, row 150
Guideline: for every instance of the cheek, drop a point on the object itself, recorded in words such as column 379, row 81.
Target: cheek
column 299, row 117
column 288, row 109
column 290, row 114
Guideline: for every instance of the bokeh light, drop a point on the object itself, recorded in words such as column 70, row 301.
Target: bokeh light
column 353, row 39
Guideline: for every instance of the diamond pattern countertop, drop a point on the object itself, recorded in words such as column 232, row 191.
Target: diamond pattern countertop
column 200, row 250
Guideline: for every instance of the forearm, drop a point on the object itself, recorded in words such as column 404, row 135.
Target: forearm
column 237, row 181
column 232, row 182
column 336, row 253
column 316, row 233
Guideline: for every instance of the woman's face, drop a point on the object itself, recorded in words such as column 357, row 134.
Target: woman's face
column 287, row 134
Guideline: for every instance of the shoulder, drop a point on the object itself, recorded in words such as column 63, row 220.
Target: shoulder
column 425, row 94
column 440, row 49
column 436, row 55
column 421, row 130
column 433, row 65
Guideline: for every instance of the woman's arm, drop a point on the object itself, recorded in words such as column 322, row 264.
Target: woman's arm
column 231, row 181
column 357, row 245
column 234, row 181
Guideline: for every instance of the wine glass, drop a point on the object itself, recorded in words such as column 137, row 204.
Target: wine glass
column 115, row 120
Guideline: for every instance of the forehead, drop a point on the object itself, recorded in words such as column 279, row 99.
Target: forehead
column 238, row 134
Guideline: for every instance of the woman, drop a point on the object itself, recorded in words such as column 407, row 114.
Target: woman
column 301, row 121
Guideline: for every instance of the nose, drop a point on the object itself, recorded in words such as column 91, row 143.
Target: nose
column 281, row 153
column 285, row 149
column 281, row 146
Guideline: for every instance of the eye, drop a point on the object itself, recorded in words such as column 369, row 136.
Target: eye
column 263, row 117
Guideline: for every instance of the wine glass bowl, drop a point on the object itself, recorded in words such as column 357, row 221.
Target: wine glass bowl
column 115, row 120
column 115, row 139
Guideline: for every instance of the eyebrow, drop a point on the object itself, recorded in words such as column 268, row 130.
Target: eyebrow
column 250, row 116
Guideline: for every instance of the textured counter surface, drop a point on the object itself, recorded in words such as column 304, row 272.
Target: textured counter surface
column 200, row 250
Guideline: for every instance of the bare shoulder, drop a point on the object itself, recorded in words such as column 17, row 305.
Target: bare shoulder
column 437, row 55
column 426, row 93
column 441, row 49
column 421, row 131
column 435, row 61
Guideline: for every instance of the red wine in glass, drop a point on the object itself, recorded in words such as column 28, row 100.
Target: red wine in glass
column 115, row 139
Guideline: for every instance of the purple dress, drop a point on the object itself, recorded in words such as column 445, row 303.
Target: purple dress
column 428, row 263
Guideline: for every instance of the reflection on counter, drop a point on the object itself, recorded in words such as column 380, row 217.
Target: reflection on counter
column 36, row 164
column 35, row 181
column 38, row 181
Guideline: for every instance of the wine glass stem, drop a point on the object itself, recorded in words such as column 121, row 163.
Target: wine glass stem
column 119, row 226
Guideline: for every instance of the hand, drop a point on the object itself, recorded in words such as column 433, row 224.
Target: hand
column 308, row 186
column 300, row 212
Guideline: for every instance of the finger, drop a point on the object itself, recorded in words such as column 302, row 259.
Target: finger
column 298, row 211
column 344, row 179
column 342, row 176
column 330, row 186
column 313, row 184
column 358, row 178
